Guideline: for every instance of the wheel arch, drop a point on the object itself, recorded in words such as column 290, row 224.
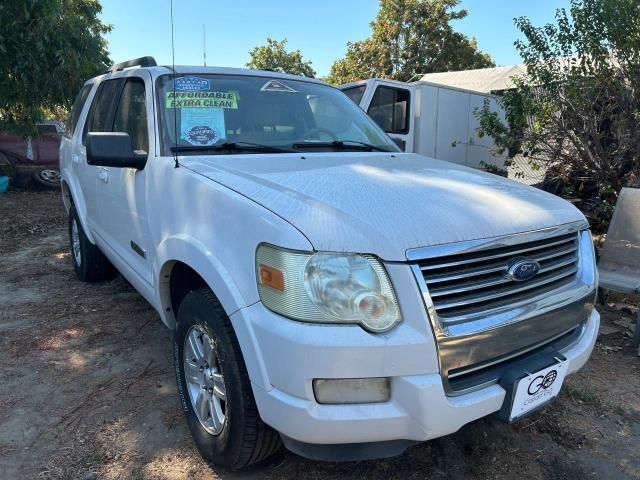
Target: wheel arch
column 72, row 195
column 183, row 265
column 66, row 195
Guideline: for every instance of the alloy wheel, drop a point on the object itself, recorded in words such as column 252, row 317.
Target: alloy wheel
column 205, row 382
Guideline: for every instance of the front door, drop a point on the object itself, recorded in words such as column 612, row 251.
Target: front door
column 121, row 192
column 390, row 108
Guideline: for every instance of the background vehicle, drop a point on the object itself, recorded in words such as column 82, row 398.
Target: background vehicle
column 325, row 289
column 37, row 157
column 433, row 120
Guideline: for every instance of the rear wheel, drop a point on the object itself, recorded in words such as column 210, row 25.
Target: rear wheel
column 214, row 386
column 89, row 262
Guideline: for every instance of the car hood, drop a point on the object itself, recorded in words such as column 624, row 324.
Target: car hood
column 384, row 204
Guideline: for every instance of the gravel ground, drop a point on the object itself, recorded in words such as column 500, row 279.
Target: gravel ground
column 87, row 388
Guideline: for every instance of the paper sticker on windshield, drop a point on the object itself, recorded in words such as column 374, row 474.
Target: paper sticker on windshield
column 202, row 126
column 201, row 99
column 276, row 86
column 191, row 84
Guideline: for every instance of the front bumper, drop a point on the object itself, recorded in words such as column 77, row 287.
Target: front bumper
column 283, row 357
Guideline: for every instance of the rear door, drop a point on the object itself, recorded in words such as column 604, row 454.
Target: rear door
column 99, row 119
column 480, row 152
column 452, row 126
column 69, row 158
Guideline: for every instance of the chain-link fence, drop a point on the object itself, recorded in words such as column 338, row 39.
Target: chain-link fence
column 523, row 170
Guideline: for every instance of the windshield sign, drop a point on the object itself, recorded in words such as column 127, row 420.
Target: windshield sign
column 201, row 113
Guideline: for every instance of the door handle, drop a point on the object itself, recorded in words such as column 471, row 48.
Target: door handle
column 103, row 175
column 75, row 158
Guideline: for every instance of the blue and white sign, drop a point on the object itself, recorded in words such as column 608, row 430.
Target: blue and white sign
column 202, row 126
column 192, row 84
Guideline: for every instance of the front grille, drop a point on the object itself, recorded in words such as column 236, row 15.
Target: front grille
column 468, row 285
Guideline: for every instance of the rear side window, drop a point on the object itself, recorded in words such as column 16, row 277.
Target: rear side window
column 355, row 93
column 131, row 114
column 389, row 108
column 101, row 114
column 76, row 109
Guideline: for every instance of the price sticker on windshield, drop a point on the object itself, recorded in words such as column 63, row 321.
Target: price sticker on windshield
column 201, row 99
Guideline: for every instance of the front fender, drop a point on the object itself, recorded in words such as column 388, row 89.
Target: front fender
column 190, row 251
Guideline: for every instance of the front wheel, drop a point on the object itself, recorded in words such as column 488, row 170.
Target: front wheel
column 214, row 386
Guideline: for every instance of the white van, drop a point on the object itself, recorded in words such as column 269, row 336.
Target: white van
column 433, row 120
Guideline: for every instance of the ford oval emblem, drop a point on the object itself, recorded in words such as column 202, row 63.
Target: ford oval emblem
column 522, row 270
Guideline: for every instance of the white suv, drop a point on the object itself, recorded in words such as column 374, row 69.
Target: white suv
column 324, row 288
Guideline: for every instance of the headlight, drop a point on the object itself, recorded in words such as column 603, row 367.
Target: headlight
column 327, row 288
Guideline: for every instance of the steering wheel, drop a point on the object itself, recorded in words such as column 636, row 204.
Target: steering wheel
column 319, row 131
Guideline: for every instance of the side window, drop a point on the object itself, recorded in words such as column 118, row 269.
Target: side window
column 131, row 114
column 101, row 115
column 76, row 109
column 355, row 93
column 389, row 108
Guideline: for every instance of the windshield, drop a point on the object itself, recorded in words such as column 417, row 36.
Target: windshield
column 355, row 93
column 247, row 111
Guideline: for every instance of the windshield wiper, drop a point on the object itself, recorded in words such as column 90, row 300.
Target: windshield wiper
column 232, row 146
column 341, row 145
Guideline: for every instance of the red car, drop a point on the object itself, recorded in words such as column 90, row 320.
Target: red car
column 37, row 156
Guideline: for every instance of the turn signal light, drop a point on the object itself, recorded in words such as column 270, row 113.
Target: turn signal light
column 271, row 277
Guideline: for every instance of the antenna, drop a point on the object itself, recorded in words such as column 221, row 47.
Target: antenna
column 204, row 44
column 173, row 80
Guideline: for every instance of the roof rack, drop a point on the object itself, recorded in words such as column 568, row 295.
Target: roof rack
column 136, row 62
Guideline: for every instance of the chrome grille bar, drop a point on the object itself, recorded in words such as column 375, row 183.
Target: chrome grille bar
column 481, row 256
column 467, row 285
column 495, row 266
column 501, row 292
column 494, row 279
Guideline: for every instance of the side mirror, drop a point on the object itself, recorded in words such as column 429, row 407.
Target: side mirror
column 113, row 149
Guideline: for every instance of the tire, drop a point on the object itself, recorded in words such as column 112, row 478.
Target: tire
column 47, row 177
column 89, row 262
column 241, row 438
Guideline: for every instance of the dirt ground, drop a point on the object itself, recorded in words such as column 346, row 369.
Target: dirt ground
column 87, row 389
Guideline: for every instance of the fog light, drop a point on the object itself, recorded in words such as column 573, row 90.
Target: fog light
column 351, row 390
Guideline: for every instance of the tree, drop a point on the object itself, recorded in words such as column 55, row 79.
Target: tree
column 274, row 56
column 410, row 37
column 577, row 109
column 48, row 48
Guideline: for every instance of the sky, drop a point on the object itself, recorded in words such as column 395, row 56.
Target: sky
column 320, row 29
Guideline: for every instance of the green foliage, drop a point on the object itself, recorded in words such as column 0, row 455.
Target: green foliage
column 274, row 56
column 576, row 110
column 410, row 37
column 48, row 48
